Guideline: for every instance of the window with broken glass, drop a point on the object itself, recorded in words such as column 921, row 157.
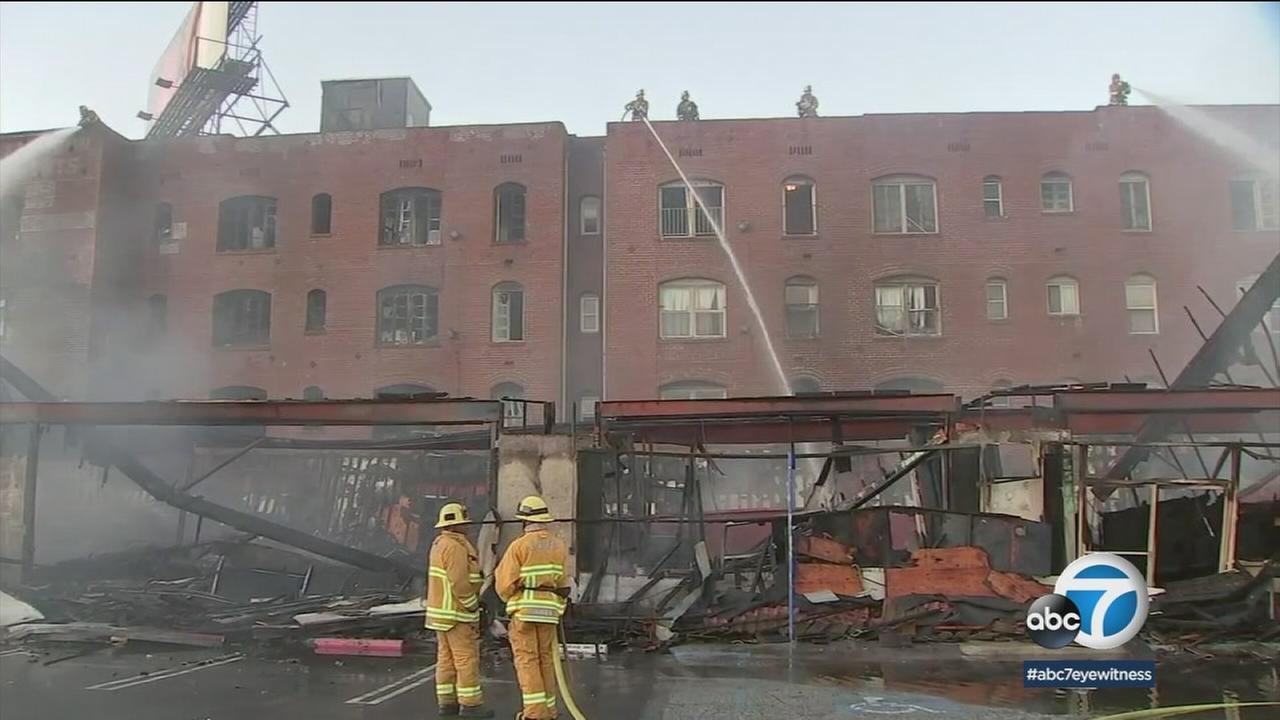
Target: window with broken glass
column 1254, row 204
column 410, row 216
column 904, row 205
column 907, row 308
column 242, row 318
column 691, row 309
column 679, row 214
column 799, row 207
column 508, row 312
column 247, row 223
column 407, row 315
column 801, row 297
column 1135, row 201
column 509, row 213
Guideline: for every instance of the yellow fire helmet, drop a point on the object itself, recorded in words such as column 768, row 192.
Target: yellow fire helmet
column 452, row 514
column 534, row 509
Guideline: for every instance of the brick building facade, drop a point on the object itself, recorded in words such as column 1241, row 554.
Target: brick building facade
column 956, row 251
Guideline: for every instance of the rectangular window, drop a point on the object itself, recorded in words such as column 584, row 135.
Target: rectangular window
column 802, row 310
column 907, row 309
column 798, row 208
column 692, row 311
column 589, row 314
column 410, row 217
column 1140, row 299
column 678, row 207
column 242, row 318
column 247, row 223
column 904, row 208
column 408, row 318
column 587, row 407
column 1055, row 195
column 997, row 301
column 992, row 199
column 1135, row 204
column 511, row 214
column 1063, row 299
column 590, row 216
column 1254, row 205
column 508, row 316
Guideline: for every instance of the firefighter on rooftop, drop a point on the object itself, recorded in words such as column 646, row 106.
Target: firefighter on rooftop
column 453, row 611
column 532, row 582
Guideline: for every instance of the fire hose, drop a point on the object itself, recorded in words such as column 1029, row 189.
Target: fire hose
column 562, row 677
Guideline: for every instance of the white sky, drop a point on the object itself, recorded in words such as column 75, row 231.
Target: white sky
column 579, row 63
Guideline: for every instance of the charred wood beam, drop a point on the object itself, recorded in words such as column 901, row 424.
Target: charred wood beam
column 165, row 492
column 1214, row 355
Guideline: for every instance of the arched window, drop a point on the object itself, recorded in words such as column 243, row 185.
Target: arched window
column 904, row 204
column 799, row 206
column 508, row 312
column 1135, row 201
column 157, row 316
column 992, row 197
column 801, row 297
column 589, row 313
column 312, row 392
column 805, row 385
column 1064, row 295
column 1140, row 302
column 410, row 216
column 316, row 310
column 321, row 214
column 509, row 213
column 997, row 299
column 513, row 411
column 247, row 223
column 691, row 308
column 407, row 315
column 692, row 390
column 1055, row 193
column 163, row 231
column 908, row 306
column 589, row 215
column 1254, row 203
column 238, row 392
column 910, row 383
column 404, row 391
column 241, row 318
column 679, row 214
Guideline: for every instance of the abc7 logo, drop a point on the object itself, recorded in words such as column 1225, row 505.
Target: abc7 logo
column 1099, row 602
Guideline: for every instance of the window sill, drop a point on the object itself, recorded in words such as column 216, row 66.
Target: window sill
column 1148, row 334
column 406, row 247
column 408, row 346
column 241, row 348
column 506, row 342
column 800, row 236
column 995, row 218
column 313, row 332
column 1057, row 212
column 999, row 321
column 882, row 336
column 1137, row 231
column 935, row 233
column 509, row 243
column 678, row 340
column 678, row 238
column 802, row 338
column 264, row 251
column 1065, row 316
column 321, row 235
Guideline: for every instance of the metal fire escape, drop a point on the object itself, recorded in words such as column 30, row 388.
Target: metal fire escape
column 239, row 92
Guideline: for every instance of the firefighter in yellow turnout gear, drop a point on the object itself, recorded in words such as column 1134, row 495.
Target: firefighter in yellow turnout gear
column 531, row 580
column 453, row 611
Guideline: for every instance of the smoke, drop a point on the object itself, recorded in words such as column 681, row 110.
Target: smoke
column 1242, row 147
column 15, row 167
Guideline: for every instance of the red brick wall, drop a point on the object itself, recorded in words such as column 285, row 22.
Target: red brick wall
column 1191, row 243
column 195, row 175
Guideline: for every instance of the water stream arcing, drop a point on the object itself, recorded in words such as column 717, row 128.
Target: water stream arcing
column 783, row 383
column 15, row 167
column 1236, row 142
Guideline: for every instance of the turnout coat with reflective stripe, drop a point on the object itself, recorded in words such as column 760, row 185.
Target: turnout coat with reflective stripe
column 453, row 581
column 528, row 576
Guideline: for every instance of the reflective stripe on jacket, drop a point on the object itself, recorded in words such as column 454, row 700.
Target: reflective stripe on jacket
column 453, row 581
column 528, row 576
